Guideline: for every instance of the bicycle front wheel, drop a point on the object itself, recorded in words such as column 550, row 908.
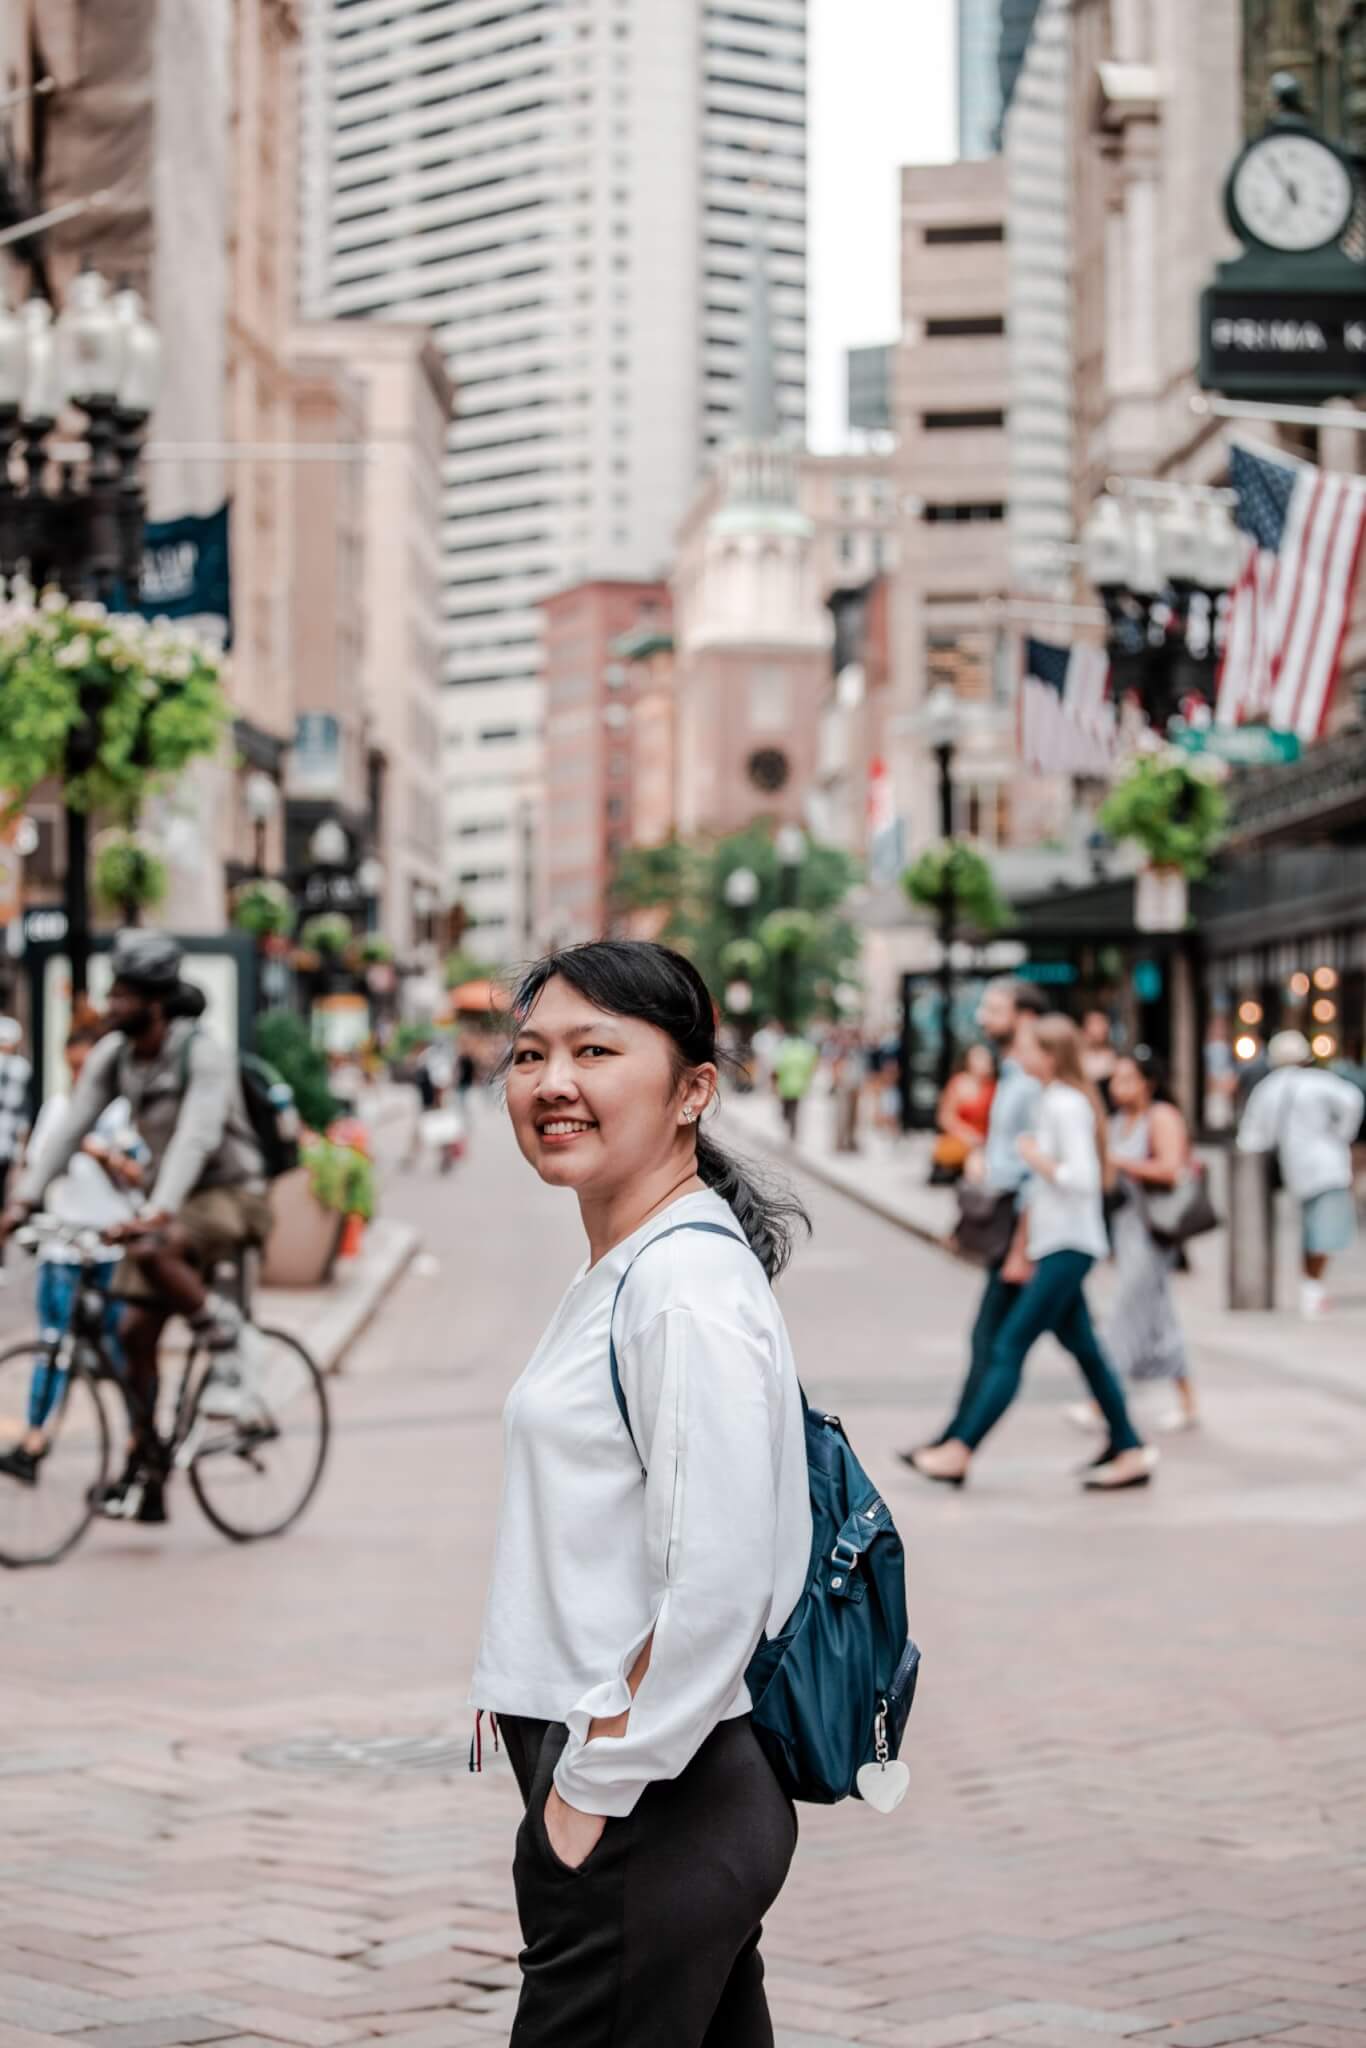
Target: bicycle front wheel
column 47, row 1507
column 254, row 1476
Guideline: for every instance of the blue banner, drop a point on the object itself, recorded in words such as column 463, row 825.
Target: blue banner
column 185, row 569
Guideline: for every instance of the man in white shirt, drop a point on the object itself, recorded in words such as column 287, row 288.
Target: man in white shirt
column 1310, row 1119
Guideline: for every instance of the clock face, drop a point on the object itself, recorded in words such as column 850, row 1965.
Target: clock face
column 1293, row 192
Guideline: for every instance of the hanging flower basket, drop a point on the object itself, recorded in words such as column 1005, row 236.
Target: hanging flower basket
column 329, row 934
column 263, row 908
column 953, row 866
column 1171, row 805
column 102, row 702
column 129, row 875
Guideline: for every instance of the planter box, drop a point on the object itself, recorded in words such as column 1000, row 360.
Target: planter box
column 304, row 1236
column 1161, row 900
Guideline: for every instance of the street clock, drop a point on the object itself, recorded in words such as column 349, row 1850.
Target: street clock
column 1286, row 319
column 1291, row 190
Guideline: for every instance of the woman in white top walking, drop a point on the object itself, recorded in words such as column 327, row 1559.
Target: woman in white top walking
column 625, row 1604
column 1065, row 1235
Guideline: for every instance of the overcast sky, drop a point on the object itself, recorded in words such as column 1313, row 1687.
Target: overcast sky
column 881, row 86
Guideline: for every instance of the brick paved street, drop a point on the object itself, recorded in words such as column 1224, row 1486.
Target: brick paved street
column 1139, row 1756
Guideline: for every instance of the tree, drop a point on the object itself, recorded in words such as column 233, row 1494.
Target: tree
column 793, row 935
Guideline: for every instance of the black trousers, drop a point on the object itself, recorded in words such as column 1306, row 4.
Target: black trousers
column 653, row 1942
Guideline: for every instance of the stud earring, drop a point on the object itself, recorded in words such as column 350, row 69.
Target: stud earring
column 688, row 1115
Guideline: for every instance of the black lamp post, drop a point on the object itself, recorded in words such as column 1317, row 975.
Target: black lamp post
column 75, row 518
column 741, row 891
column 941, row 725
column 790, row 845
column 1162, row 556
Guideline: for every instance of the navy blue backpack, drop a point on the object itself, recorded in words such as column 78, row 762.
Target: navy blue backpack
column 834, row 1690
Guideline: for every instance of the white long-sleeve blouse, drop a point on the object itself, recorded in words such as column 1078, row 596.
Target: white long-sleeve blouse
column 707, row 1552
column 1066, row 1212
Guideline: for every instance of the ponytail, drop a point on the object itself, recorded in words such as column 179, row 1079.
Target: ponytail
column 768, row 1212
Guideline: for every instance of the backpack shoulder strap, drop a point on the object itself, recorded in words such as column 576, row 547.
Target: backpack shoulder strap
column 190, row 1037
column 618, row 1393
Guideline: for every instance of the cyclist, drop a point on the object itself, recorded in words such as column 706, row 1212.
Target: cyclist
column 94, row 1193
column 208, row 1201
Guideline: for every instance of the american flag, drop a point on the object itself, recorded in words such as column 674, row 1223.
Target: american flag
column 1067, row 721
column 1290, row 607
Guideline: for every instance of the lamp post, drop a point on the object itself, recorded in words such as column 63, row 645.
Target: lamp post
column 789, row 843
column 741, row 893
column 76, row 525
column 1162, row 556
column 370, row 877
column 261, row 796
column 942, row 726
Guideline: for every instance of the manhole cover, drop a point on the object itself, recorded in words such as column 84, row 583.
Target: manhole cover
column 376, row 1753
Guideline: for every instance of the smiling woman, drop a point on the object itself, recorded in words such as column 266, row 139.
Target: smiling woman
column 625, row 1603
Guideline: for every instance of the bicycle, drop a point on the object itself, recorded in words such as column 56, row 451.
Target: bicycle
column 253, row 1477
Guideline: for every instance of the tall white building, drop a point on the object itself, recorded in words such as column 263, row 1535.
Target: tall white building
column 564, row 188
column 1038, row 159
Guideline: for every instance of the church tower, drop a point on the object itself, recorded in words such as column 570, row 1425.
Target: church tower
column 753, row 634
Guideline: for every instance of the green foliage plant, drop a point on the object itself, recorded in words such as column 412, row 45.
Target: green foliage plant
column 283, row 1039
column 794, row 940
column 129, row 875
column 329, row 933
column 460, row 967
column 1172, row 806
column 263, row 908
column 955, row 865
column 375, row 951
column 107, row 703
column 341, row 1178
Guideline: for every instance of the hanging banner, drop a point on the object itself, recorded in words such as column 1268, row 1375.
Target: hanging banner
column 186, row 571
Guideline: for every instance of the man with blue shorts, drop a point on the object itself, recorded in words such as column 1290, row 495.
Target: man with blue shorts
column 1310, row 1119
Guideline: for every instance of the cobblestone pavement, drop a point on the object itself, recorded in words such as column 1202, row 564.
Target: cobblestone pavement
column 234, row 1808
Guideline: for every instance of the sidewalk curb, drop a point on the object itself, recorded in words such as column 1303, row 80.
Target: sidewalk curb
column 787, row 1155
column 383, row 1263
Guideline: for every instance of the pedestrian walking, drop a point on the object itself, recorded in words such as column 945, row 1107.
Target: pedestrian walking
column 624, row 1605
column 1149, row 1147
column 998, row 1168
column 964, row 1115
column 16, row 1085
column 1064, row 1231
column 1310, row 1119
column 794, row 1068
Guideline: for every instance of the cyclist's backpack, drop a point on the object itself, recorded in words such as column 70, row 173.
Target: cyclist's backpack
column 270, row 1106
column 833, row 1691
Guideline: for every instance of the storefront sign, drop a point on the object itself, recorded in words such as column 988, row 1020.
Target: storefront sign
column 1271, row 344
column 1247, row 746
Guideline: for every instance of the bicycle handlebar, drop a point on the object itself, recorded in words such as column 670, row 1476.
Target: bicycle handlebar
column 40, row 1230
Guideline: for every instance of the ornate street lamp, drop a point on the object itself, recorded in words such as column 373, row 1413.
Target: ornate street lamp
column 942, row 726
column 741, row 892
column 1162, row 557
column 370, row 879
column 78, row 525
column 261, row 797
column 789, row 843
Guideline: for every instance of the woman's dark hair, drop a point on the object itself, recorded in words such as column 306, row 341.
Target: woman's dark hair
column 1153, row 1070
column 637, row 978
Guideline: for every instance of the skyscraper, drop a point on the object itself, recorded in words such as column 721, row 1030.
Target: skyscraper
column 564, row 188
column 1017, row 27
column 979, row 77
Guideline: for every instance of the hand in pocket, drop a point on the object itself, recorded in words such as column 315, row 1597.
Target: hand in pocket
column 573, row 1836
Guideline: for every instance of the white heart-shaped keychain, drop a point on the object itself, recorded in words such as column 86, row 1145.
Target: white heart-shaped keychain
column 883, row 1786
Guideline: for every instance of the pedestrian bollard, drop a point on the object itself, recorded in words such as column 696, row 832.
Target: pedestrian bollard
column 1251, row 1231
